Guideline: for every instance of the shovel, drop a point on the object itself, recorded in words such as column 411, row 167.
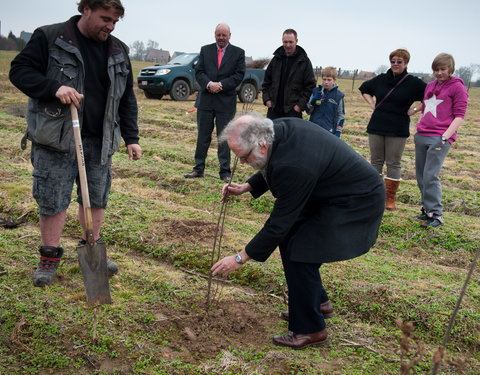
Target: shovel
column 92, row 256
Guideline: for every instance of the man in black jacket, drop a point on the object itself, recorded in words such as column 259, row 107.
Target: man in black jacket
column 289, row 79
column 328, row 208
column 60, row 64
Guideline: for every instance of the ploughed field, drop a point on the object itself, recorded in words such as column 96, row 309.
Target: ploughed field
column 160, row 229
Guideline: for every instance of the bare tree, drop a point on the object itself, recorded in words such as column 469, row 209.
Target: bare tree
column 137, row 50
column 151, row 44
column 475, row 68
column 381, row 69
column 465, row 73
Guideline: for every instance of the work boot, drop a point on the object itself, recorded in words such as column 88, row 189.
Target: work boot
column 47, row 267
column 112, row 267
column 391, row 187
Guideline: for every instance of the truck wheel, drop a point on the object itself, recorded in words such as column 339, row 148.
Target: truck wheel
column 180, row 90
column 247, row 93
column 149, row 95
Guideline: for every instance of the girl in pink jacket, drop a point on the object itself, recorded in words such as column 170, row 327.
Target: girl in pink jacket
column 443, row 111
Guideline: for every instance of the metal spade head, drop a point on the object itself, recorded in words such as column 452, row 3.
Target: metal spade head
column 93, row 262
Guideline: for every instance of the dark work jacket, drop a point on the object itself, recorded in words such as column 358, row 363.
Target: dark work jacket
column 52, row 59
column 391, row 118
column 297, row 86
column 329, row 199
column 229, row 74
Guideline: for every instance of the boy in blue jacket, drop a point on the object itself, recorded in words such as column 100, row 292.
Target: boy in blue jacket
column 326, row 105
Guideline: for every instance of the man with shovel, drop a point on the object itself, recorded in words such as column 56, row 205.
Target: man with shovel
column 329, row 205
column 60, row 65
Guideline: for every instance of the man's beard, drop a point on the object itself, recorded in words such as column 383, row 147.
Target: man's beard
column 260, row 162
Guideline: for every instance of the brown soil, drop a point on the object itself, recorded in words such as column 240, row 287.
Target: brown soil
column 200, row 335
column 187, row 230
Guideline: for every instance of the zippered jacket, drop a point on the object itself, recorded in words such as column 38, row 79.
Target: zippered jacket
column 297, row 86
column 328, row 108
column 52, row 59
column 443, row 103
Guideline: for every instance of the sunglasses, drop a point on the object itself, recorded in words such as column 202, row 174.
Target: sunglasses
column 399, row 62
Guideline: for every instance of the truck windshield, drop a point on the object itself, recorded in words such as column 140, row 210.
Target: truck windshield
column 183, row 59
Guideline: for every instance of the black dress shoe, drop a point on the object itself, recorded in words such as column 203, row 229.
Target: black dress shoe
column 301, row 340
column 193, row 174
column 226, row 179
column 326, row 308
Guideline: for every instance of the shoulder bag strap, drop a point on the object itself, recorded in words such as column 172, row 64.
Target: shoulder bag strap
column 391, row 90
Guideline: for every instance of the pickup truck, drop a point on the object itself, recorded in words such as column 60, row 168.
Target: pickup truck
column 177, row 79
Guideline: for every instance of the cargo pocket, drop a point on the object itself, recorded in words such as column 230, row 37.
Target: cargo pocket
column 50, row 127
column 42, row 190
column 63, row 67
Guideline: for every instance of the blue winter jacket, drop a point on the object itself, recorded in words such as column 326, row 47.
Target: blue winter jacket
column 327, row 109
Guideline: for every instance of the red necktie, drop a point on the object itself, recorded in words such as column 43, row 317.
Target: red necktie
column 219, row 56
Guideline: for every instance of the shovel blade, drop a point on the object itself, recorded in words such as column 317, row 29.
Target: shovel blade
column 93, row 262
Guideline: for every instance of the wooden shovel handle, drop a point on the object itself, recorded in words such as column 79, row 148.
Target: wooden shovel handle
column 83, row 175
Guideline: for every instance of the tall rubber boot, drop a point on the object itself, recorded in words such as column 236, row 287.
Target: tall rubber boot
column 391, row 187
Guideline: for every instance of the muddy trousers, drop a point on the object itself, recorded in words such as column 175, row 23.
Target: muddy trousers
column 305, row 293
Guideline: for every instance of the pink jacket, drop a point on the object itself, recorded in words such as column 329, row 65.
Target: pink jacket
column 442, row 103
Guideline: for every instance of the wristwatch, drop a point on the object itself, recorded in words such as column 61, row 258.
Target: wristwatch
column 238, row 259
column 444, row 139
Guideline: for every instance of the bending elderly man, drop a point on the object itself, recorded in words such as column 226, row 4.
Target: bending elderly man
column 328, row 208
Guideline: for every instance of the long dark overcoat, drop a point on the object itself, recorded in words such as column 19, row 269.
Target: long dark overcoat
column 329, row 199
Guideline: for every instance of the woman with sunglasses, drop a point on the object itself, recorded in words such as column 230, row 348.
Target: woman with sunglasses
column 391, row 95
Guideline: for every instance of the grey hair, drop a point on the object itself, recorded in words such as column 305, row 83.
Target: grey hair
column 251, row 130
column 222, row 25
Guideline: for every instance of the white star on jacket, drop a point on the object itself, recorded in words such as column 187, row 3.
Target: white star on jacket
column 431, row 105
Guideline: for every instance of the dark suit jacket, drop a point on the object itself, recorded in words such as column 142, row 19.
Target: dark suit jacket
column 329, row 199
column 230, row 74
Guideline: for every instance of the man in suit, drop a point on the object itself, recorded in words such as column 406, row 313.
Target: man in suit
column 220, row 69
column 328, row 208
column 289, row 79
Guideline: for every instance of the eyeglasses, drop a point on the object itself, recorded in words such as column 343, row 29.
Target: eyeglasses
column 244, row 158
column 399, row 62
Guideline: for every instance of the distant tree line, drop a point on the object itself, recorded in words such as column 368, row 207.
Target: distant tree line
column 138, row 49
column 466, row 73
column 11, row 43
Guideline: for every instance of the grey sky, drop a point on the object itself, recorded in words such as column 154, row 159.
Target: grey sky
column 347, row 34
